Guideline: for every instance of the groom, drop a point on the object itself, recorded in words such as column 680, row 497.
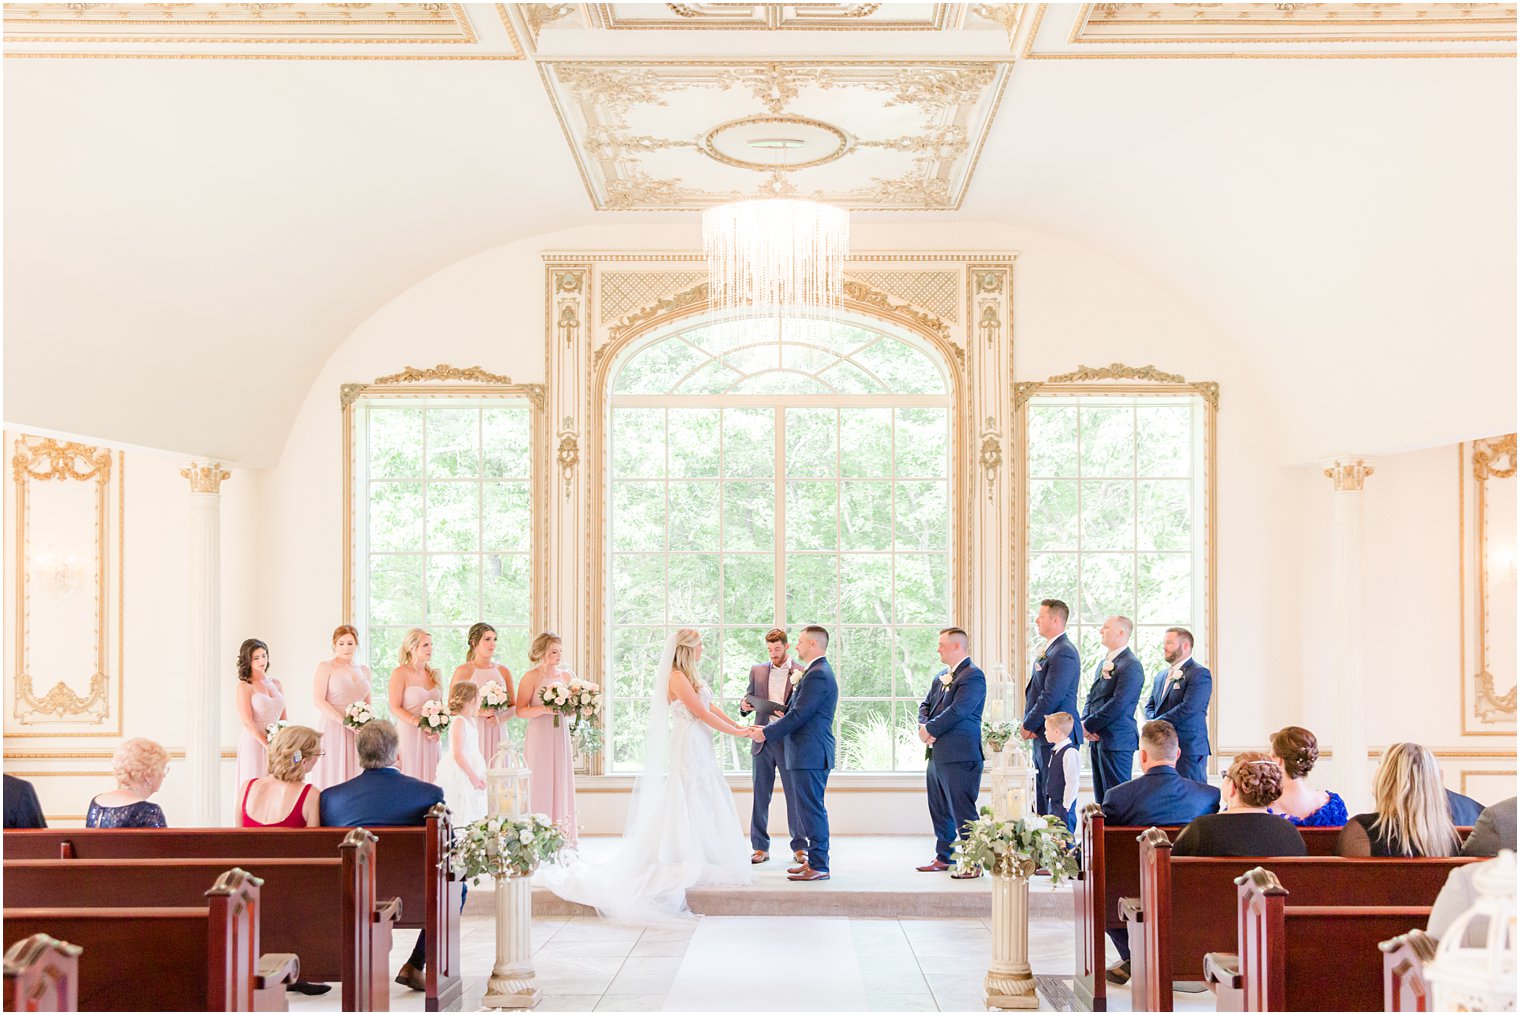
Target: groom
column 808, row 731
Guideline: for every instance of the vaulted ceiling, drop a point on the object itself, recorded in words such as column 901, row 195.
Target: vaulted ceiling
column 203, row 200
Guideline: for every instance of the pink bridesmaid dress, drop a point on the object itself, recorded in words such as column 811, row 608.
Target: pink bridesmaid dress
column 490, row 732
column 548, row 754
column 253, row 753
column 340, row 758
column 419, row 755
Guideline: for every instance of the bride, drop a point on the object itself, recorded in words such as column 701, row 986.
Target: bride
column 683, row 829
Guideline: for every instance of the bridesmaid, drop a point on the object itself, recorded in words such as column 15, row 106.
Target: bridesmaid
column 413, row 684
column 339, row 683
column 260, row 701
column 546, row 748
column 480, row 670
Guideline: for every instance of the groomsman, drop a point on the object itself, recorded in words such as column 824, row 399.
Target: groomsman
column 1109, row 723
column 1052, row 686
column 772, row 681
column 1180, row 696
column 950, row 725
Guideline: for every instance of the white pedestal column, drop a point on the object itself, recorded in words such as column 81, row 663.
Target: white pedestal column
column 513, row 984
column 1010, row 984
column 1349, row 696
column 203, row 749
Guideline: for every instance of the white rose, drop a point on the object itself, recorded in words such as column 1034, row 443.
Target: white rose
column 525, row 836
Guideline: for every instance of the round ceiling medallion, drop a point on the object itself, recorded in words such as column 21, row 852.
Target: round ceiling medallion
column 772, row 143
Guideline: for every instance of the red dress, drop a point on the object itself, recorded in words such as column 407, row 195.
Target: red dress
column 292, row 820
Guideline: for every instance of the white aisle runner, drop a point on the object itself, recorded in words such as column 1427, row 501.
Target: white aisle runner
column 769, row 963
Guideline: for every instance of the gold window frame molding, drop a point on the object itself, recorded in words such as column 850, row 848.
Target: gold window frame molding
column 445, row 381
column 1117, row 379
column 62, row 462
column 1488, row 459
column 667, row 313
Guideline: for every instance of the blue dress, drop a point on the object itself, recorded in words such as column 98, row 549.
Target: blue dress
column 142, row 814
column 1331, row 815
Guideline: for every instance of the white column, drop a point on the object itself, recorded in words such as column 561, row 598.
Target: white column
column 1349, row 695
column 1010, row 983
column 513, row 982
column 203, row 751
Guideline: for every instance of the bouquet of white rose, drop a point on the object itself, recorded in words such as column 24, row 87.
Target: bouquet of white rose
column 494, row 697
column 434, row 718
column 357, row 714
column 579, row 699
column 273, row 729
column 498, row 847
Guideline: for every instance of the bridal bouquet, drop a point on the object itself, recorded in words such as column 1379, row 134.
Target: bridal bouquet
column 1017, row 848
column 434, row 718
column 494, row 697
column 273, row 730
column 357, row 714
column 500, row 847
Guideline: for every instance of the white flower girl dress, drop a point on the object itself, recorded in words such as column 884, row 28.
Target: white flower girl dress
column 466, row 803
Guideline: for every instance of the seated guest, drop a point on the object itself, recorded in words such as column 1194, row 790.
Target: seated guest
column 21, row 807
column 283, row 798
column 381, row 795
column 1464, row 809
column 1246, row 827
column 139, row 766
column 1295, row 750
column 1159, row 797
column 1494, row 830
column 1412, row 818
column 1457, row 897
column 1064, row 773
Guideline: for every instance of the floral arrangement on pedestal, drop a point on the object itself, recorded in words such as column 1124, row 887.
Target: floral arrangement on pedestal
column 505, row 847
column 1018, row 847
column 997, row 734
column 358, row 714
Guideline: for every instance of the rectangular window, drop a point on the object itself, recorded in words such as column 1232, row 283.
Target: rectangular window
column 443, row 526
column 1117, row 518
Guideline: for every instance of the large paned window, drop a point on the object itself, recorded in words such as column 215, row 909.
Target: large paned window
column 443, row 533
column 1117, row 519
column 797, row 476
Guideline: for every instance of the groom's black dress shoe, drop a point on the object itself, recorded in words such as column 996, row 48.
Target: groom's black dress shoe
column 808, row 874
column 307, row 987
column 933, row 865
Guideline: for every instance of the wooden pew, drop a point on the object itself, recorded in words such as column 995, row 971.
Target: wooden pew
column 1187, row 905
column 411, row 864
column 1404, row 958
column 1109, row 871
column 321, row 910
column 1305, row 958
column 170, row 958
column 41, row 974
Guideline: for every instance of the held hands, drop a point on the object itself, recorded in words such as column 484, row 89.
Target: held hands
column 1093, row 737
column 923, row 734
column 755, row 733
column 1025, row 734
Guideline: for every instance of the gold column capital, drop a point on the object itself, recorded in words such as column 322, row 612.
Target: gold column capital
column 205, row 477
column 1348, row 474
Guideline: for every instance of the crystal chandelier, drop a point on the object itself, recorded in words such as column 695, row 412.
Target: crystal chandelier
column 775, row 257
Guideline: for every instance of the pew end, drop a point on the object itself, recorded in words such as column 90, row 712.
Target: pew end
column 42, row 974
column 276, row 972
column 1404, row 959
column 1221, row 971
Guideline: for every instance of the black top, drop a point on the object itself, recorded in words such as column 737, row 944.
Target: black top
column 1250, row 834
column 1359, row 838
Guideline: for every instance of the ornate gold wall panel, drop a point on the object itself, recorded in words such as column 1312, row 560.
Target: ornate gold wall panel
column 68, row 512
column 1487, row 468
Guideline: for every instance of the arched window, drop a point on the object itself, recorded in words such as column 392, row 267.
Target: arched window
column 793, row 474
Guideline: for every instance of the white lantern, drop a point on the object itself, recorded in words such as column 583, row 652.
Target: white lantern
column 1013, row 785
column 509, row 786
column 1474, row 967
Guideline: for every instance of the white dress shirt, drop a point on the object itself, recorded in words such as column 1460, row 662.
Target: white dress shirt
column 779, row 677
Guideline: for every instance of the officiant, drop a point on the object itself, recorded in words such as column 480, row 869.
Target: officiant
column 770, row 692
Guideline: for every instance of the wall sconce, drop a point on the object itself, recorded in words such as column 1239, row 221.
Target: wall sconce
column 56, row 572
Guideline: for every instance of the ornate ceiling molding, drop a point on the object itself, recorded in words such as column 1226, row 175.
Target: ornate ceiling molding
column 348, row 394
column 895, row 17
column 1025, row 390
column 900, row 135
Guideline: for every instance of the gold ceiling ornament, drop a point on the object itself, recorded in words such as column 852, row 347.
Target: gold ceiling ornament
column 934, row 291
column 776, row 84
column 568, row 454
column 914, row 187
column 536, row 16
column 858, row 292
column 205, row 477
column 991, row 454
column 637, row 189
column 609, row 143
column 772, row 17
column 708, row 143
column 946, row 141
column 1348, row 474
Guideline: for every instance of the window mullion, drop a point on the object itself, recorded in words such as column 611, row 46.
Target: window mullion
column 778, row 534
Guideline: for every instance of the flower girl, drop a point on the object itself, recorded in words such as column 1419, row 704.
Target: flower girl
column 462, row 772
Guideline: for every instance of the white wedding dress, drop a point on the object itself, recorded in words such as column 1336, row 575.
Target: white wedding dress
column 683, row 829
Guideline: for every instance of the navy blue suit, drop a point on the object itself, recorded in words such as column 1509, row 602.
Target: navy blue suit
column 1052, row 688
column 21, row 807
column 1159, row 797
column 1111, row 703
column 383, row 796
column 953, row 717
column 808, row 729
column 1464, row 809
column 1186, row 706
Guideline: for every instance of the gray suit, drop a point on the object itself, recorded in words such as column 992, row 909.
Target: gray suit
column 1494, row 830
column 767, row 759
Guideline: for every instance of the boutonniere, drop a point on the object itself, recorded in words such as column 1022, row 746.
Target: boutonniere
column 946, row 678
column 1108, row 670
column 1039, row 661
column 796, row 676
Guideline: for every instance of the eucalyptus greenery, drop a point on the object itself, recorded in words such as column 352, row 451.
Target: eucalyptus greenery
column 1017, row 848
column 498, row 847
column 586, row 737
column 997, row 734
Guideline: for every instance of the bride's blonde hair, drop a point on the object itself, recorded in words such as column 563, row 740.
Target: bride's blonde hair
column 687, row 640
